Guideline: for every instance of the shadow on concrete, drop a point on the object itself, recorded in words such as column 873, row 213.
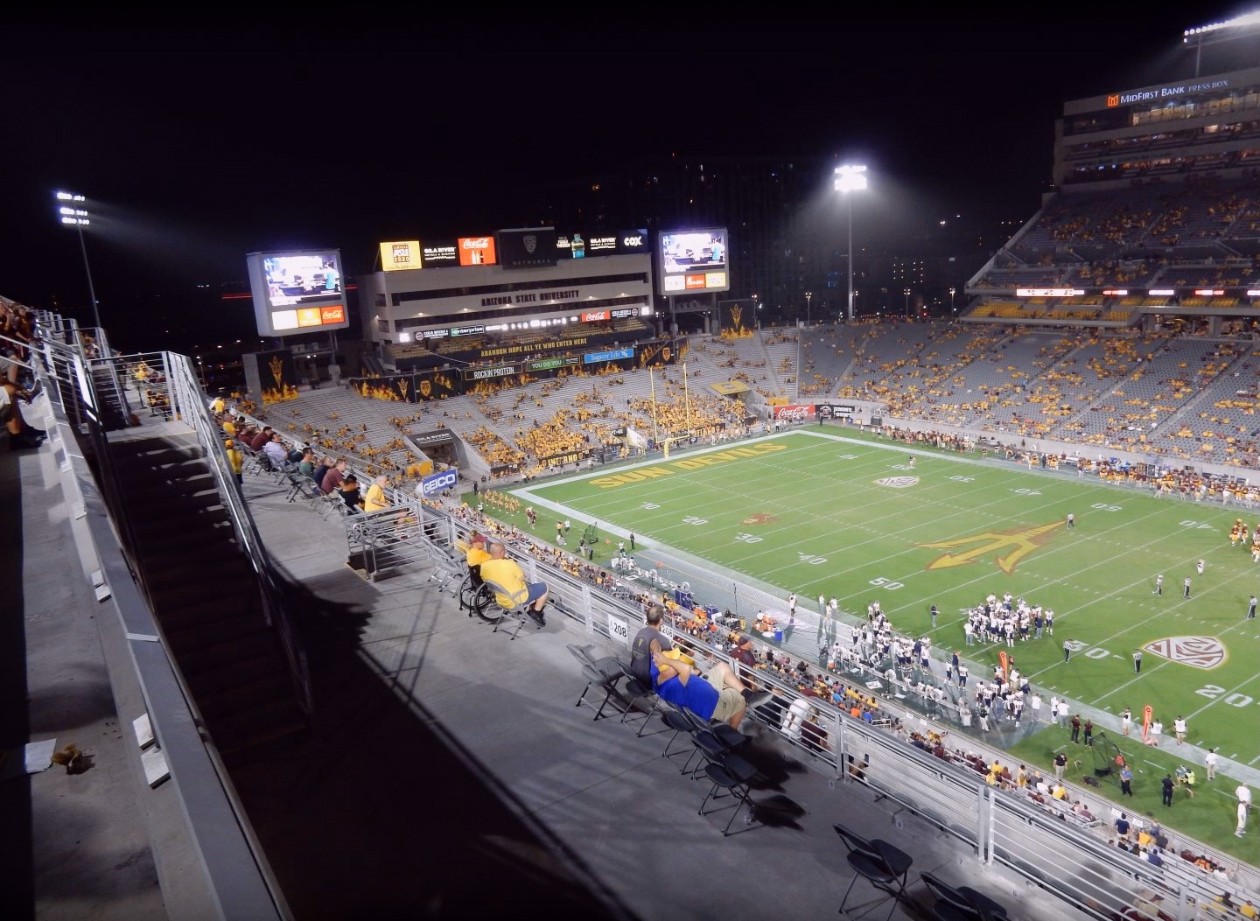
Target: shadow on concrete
column 378, row 814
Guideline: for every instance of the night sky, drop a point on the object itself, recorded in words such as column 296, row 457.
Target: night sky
column 199, row 141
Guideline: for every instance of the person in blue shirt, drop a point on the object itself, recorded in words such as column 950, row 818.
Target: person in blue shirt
column 715, row 697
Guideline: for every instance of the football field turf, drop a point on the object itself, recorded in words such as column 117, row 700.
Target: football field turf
column 826, row 511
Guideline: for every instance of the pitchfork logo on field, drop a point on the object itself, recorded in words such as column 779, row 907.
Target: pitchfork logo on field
column 1005, row 548
column 1195, row 651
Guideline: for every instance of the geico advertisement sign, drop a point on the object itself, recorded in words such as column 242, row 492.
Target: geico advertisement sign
column 438, row 482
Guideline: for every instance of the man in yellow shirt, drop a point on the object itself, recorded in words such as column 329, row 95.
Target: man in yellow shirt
column 236, row 459
column 375, row 500
column 476, row 556
column 508, row 576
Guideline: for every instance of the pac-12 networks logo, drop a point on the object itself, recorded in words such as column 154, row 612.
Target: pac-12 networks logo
column 1195, row 651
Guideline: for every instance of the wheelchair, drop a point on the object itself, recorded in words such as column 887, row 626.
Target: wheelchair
column 477, row 598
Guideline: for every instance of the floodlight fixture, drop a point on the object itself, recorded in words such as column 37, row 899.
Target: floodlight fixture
column 850, row 177
column 1243, row 26
column 78, row 218
column 1246, row 21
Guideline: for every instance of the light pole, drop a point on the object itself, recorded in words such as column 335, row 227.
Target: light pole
column 850, row 178
column 906, row 292
column 809, row 296
column 72, row 213
column 952, row 292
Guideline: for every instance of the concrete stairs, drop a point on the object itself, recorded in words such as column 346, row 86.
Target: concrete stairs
column 206, row 596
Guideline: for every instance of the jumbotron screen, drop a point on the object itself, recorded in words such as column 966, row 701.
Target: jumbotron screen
column 693, row 261
column 298, row 291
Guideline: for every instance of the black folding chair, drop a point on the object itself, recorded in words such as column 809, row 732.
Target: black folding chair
column 713, row 742
column 734, row 775
column 677, row 720
column 883, row 865
column 604, row 672
column 948, row 903
column 637, row 691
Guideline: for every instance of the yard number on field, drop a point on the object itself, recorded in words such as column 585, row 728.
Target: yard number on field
column 1213, row 692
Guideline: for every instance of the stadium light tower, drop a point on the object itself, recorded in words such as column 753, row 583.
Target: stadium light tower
column 850, row 178
column 72, row 213
column 809, row 296
column 1238, row 27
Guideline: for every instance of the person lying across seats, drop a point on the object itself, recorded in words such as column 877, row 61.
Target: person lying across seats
column 717, row 697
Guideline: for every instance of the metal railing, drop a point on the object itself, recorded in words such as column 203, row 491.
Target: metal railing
column 1042, row 846
column 189, row 404
column 230, row 858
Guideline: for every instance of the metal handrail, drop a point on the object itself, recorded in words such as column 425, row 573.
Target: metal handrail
column 232, row 859
column 190, row 404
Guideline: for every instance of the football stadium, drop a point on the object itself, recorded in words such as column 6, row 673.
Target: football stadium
column 985, row 584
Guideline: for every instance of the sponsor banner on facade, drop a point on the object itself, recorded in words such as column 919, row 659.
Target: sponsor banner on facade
column 834, row 410
column 527, row 247
column 477, row 251
column 431, row 439
column 485, row 374
column 794, row 412
column 437, row 483
column 559, row 460
column 595, row 358
column 399, row 255
column 438, row 253
column 632, row 241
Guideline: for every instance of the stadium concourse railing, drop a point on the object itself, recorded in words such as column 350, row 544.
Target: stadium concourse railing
column 1068, row 861
column 994, row 822
column 1045, row 847
column 239, row 883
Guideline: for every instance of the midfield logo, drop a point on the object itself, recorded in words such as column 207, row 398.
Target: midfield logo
column 761, row 518
column 1020, row 541
column 1195, row 651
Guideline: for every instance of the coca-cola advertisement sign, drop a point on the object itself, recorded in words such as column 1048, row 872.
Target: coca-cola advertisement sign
column 477, row 251
column 793, row 413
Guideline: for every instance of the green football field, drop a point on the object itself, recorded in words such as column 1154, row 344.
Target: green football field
column 818, row 512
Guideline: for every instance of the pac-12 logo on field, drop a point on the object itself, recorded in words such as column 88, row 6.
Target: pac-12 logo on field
column 1195, row 651
column 897, row 482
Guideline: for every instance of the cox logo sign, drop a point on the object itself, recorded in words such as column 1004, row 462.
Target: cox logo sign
column 437, row 482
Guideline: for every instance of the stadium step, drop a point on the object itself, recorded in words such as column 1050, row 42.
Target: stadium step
column 205, row 594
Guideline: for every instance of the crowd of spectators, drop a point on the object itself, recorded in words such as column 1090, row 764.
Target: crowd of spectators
column 863, row 665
